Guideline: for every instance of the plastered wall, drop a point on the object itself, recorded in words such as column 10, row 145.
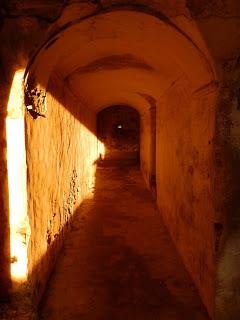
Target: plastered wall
column 185, row 129
column 145, row 152
column 227, row 186
column 61, row 151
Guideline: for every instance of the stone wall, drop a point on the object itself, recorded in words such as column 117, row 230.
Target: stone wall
column 145, row 154
column 61, row 151
column 227, row 189
column 185, row 131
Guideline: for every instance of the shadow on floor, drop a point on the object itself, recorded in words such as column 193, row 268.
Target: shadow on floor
column 118, row 261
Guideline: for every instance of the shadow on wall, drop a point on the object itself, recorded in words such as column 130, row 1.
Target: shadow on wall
column 63, row 145
column 14, row 252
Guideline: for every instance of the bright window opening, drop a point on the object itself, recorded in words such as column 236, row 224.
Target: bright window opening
column 17, row 181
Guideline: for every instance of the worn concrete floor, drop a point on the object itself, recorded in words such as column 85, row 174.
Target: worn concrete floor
column 118, row 262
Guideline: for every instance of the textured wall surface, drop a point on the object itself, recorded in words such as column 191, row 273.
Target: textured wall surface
column 145, row 154
column 227, row 187
column 185, row 130
column 61, row 150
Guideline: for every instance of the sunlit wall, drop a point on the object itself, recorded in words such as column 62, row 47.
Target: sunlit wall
column 62, row 149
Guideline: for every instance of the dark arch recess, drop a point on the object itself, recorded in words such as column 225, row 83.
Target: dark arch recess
column 118, row 127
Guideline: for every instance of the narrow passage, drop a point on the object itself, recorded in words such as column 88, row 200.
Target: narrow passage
column 118, row 262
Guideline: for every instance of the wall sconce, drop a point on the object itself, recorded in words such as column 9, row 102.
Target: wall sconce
column 35, row 101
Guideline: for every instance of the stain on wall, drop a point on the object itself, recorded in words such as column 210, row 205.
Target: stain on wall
column 185, row 125
column 227, row 187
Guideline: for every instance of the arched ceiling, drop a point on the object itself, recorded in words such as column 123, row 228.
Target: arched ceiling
column 120, row 57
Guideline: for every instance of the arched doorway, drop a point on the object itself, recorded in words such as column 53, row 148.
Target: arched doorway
column 118, row 129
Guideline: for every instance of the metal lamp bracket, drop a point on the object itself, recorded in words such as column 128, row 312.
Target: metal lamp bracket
column 35, row 101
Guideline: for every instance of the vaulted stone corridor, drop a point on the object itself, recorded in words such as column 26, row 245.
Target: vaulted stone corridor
column 119, row 159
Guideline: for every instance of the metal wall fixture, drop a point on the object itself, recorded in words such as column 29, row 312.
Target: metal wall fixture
column 35, row 101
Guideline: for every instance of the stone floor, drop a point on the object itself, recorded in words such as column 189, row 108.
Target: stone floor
column 118, row 262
